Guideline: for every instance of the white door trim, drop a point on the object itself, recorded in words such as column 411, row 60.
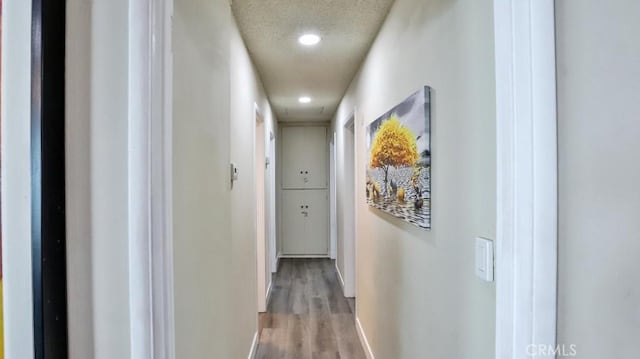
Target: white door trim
column 273, row 254
column 358, row 125
column 333, row 208
column 349, row 248
column 139, row 188
column 262, row 256
column 162, row 170
column 526, row 268
column 150, row 180
column 16, row 184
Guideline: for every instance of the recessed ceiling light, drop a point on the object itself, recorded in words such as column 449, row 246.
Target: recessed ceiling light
column 309, row 39
column 304, row 99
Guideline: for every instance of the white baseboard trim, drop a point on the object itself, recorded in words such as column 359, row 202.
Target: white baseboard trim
column 269, row 292
column 303, row 256
column 277, row 263
column 254, row 347
column 363, row 339
column 340, row 278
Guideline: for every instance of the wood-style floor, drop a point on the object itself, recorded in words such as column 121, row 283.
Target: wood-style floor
column 307, row 316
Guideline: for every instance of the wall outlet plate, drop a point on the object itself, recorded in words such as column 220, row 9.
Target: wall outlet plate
column 484, row 259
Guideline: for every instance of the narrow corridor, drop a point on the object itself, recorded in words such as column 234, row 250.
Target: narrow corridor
column 308, row 316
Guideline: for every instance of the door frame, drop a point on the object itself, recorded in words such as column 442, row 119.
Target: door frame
column 48, row 186
column 262, row 250
column 333, row 200
column 349, row 277
column 272, row 187
column 527, row 220
column 151, row 290
column 280, row 190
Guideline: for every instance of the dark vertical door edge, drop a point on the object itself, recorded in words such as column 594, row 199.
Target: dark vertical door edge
column 48, row 179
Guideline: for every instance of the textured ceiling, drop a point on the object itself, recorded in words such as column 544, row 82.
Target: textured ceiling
column 289, row 70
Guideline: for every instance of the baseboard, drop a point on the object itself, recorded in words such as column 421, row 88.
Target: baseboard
column 269, row 292
column 363, row 339
column 277, row 263
column 254, row 347
column 340, row 278
column 304, row 256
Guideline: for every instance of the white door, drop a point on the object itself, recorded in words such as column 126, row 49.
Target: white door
column 306, row 222
column 305, row 200
column 293, row 157
column 304, row 155
column 317, row 222
column 293, row 222
column 315, row 157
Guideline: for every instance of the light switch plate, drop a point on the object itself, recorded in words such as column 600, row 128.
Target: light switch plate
column 233, row 173
column 484, row 259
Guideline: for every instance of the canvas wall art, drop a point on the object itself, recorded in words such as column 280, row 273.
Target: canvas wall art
column 399, row 160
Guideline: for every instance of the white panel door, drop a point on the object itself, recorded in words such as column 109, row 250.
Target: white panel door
column 293, row 157
column 305, row 222
column 293, row 221
column 305, row 202
column 317, row 222
column 315, row 165
column 304, row 157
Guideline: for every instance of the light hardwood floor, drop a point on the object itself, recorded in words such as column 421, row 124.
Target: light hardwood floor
column 307, row 316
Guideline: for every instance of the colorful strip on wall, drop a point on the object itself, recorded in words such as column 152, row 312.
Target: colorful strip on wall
column 1, row 285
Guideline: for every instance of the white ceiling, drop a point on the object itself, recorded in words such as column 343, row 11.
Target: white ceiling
column 289, row 70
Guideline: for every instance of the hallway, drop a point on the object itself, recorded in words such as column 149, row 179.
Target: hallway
column 232, row 179
column 307, row 316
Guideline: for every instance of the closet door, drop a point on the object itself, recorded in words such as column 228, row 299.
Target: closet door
column 317, row 222
column 305, row 212
column 316, row 149
column 305, row 225
column 293, row 222
column 293, row 157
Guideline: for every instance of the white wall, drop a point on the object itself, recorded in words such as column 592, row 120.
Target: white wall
column 215, row 88
column 206, row 274
column 97, row 185
column 16, row 174
column 246, row 90
column 109, row 182
column 202, row 234
column 599, row 202
column 417, row 295
column 78, row 201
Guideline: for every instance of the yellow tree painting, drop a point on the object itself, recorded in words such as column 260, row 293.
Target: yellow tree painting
column 393, row 146
column 399, row 161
